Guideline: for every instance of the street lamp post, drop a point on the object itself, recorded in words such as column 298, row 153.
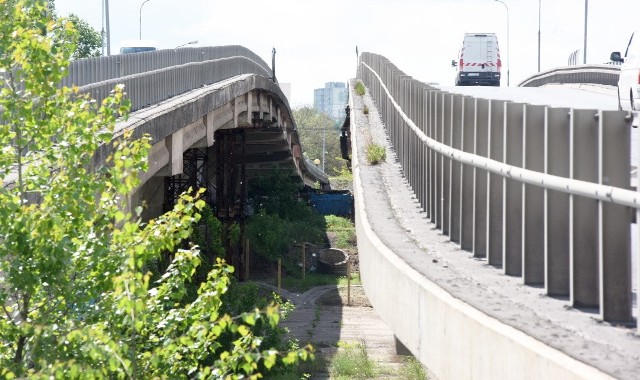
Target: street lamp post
column 508, row 49
column 586, row 12
column 140, row 31
column 539, row 13
column 188, row 43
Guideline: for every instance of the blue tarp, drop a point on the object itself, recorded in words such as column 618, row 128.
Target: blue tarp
column 332, row 203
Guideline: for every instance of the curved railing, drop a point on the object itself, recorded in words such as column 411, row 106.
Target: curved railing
column 154, row 76
column 540, row 192
column 91, row 70
column 606, row 75
column 150, row 87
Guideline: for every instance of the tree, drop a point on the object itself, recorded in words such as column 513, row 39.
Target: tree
column 75, row 301
column 313, row 127
column 89, row 40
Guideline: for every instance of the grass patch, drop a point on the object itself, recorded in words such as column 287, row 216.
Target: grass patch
column 412, row 370
column 316, row 279
column 359, row 87
column 344, row 229
column 351, row 361
column 376, row 153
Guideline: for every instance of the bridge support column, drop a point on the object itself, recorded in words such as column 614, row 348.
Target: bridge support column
column 231, row 192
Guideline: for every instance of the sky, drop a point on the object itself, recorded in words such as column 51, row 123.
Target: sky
column 316, row 41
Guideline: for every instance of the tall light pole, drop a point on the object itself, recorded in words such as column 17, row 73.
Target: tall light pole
column 539, row 13
column 106, row 18
column 508, row 49
column 140, row 32
column 586, row 12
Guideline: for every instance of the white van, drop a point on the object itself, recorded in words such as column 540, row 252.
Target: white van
column 137, row 46
column 629, row 81
column 479, row 61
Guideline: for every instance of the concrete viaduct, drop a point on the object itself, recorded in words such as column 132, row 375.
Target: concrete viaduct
column 217, row 118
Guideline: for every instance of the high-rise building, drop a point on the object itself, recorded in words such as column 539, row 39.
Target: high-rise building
column 331, row 100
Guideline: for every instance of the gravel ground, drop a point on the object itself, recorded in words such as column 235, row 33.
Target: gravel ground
column 396, row 216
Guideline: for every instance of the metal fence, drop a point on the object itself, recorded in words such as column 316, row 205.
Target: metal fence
column 541, row 192
column 91, row 70
column 603, row 74
column 151, row 77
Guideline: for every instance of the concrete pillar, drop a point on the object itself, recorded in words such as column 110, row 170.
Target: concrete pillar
column 176, row 153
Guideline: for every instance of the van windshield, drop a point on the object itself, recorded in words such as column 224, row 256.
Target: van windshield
column 136, row 49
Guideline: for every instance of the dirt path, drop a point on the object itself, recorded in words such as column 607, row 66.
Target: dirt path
column 323, row 318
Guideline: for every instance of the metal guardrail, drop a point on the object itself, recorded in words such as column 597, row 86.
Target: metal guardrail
column 91, row 70
column 150, row 87
column 604, row 74
column 151, row 77
column 541, row 192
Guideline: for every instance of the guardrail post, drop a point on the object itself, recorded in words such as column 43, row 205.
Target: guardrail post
column 512, row 206
column 557, row 159
column 433, row 158
column 615, row 245
column 495, row 193
column 434, row 105
column 481, row 133
column 584, row 234
column 533, row 196
column 455, row 168
column 466, row 175
column 445, row 164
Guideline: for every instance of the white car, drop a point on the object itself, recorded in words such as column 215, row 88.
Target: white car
column 629, row 81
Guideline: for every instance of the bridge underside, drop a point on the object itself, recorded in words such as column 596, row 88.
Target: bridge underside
column 247, row 136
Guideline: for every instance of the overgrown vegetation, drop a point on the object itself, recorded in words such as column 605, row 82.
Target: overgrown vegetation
column 281, row 218
column 412, row 370
column 344, row 230
column 297, row 284
column 78, row 300
column 359, row 87
column 317, row 130
column 376, row 153
column 351, row 361
column 365, row 110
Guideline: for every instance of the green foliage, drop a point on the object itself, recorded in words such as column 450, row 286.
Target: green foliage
column 89, row 41
column 313, row 128
column 77, row 301
column 412, row 370
column 365, row 110
column 344, row 229
column 376, row 154
column 351, row 361
column 359, row 87
column 281, row 218
column 297, row 284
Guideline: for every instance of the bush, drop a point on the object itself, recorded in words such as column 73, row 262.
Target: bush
column 376, row 154
column 359, row 87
